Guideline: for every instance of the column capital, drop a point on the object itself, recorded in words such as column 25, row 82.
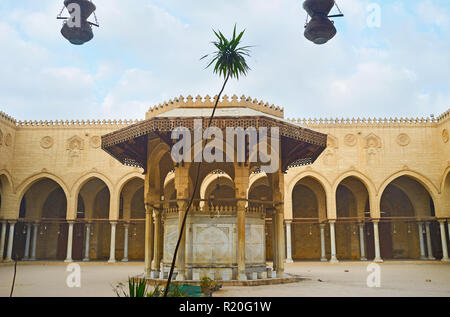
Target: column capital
column 441, row 220
column 114, row 222
column 12, row 222
column 70, row 222
column 333, row 221
column 156, row 213
column 375, row 220
column 288, row 221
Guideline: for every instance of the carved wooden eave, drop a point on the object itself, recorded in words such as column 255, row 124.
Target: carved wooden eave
column 299, row 145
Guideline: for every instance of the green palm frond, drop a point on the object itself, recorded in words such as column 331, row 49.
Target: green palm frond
column 229, row 59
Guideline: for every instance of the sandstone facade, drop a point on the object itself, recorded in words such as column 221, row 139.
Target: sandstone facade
column 391, row 172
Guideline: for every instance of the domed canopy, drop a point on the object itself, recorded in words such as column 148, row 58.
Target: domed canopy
column 298, row 145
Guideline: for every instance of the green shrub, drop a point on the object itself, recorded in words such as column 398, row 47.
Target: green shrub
column 136, row 288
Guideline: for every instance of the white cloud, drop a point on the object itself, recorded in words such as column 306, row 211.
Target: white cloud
column 147, row 52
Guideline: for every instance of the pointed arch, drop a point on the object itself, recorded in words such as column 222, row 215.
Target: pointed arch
column 6, row 175
column 27, row 183
column 423, row 180
column 322, row 180
column 125, row 179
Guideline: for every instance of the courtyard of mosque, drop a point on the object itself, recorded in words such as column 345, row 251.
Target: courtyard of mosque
column 397, row 278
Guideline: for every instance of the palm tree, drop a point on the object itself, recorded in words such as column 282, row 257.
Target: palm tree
column 229, row 62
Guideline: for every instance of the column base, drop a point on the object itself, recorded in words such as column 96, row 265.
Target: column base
column 112, row 261
column 68, row 261
column 32, row 259
column 154, row 274
column 7, row 260
column 378, row 260
column 423, row 258
column 289, row 261
column 180, row 277
column 280, row 274
column 364, row 259
column 242, row 276
column 334, row 260
column 125, row 260
column 445, row 260
column 431, row 259
column 323, row 260
column 86, row 260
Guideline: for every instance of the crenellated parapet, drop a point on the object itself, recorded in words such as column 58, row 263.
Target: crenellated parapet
column 75, row 123
column 370, row 122
column 208, row 102
column 4, row 118
column 444, row 117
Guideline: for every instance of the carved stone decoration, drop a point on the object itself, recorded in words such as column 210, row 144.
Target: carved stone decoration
column 445, row 136
column 332, row 142
column 75, row 146
column 372, row 141
column 372, row 144
column 1, row 138
column 95, row 142
column 8, row 139
column 330, row 152
column 350, row 140
column 47, row 142
column 403, row 139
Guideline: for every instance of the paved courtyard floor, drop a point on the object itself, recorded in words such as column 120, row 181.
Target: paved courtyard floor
column 398, row 278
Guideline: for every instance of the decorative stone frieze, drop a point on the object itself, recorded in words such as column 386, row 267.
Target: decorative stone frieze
column 350, row 140
column 8, row 139
column 403, row 139
column 445, row 136
column 47, row 142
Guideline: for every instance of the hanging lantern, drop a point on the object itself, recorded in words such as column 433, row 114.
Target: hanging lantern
column 76, row 28
column 320, row 29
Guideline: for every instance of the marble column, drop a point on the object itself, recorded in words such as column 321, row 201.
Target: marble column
column 274, row 242
column 10, row 241
column 181, row 255
column 444, row 242
column 27, row 242
column 421, row 242
column 87, row 242
column 333, row 242
column 376, row 236
column 34, row 241
column 2, row 239
column 125, row 243
column 156, row 265
column 148, row 240
column 323, row 257
column 288, row 242
column 281, row 242
column 112, row 248
column 362, row 243
column 69, row 242
column 429, row 246
column 241, row 276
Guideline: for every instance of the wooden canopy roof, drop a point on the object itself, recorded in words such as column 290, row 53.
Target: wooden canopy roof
column 299, row 145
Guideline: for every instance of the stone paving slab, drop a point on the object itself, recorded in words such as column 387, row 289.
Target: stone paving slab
column 398, row 278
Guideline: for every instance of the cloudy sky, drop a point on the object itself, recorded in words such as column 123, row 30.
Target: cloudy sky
column 148, row 51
